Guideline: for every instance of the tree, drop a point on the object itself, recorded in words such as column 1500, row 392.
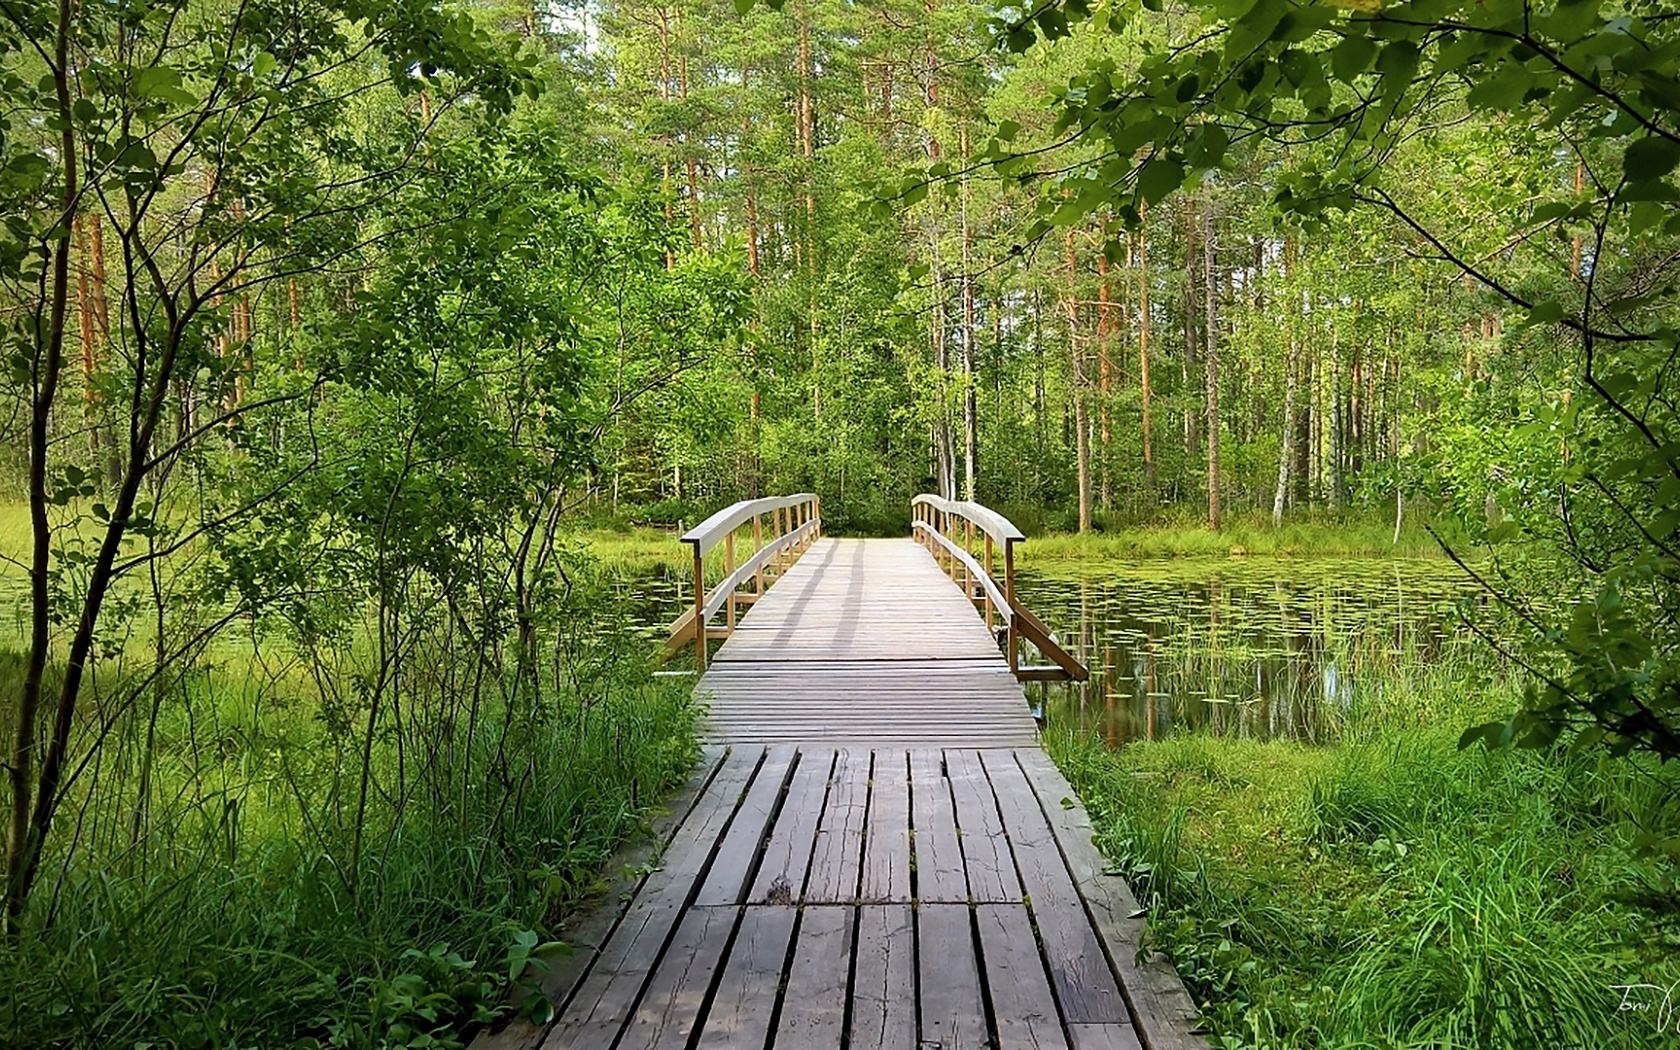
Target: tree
column 1341, row 93
column 219, row 172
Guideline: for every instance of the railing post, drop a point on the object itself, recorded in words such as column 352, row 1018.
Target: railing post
column 699, row 608
column 758, row 545
column 1009, row 596
column 728, row 571
column 781, row 530
column 816, row 504
column 986, row 593
column 968, row 549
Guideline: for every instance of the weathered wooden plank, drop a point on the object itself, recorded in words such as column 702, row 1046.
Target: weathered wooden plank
column 986, row 856
column 939, row 863
column 838, row 854
column 1022, row 1008
column 586, row 934
column 607, row 995
column 787, row 854
column 1085, row 986
column 745, row 1002
column 822, row 656
column 671, row 1004
column 886, row 858
column 1103, row 1037
column 884, row 980
column 739, row 848
column 814, row 1008
column 1162, row 1010
column 953, row 1015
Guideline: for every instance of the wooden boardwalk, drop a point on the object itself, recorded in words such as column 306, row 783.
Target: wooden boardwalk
column 875, row 852
column 865, row 641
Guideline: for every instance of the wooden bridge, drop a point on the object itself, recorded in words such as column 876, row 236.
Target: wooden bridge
column 875, row 852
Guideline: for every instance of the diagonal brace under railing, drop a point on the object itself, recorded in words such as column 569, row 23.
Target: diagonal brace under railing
column 932, row 521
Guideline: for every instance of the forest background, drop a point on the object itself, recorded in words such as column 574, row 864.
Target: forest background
column 342, row 337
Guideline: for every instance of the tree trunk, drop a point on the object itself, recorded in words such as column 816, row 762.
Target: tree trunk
column 689, row 160
column 23, row 842
column 1187, row 363
column 1143, row 355
column 1105, row 381
column 665, row 139
column 971, row 434
column 85, row 315
column 1210, row 288
column 1081, row 418
column 1285, row 453
column 943, row 457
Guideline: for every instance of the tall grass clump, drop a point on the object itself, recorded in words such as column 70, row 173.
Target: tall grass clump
column 1394, row 891
column 351, row 817
column 243, row 915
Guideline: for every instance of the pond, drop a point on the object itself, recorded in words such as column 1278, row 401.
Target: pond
column 1260, row 647
column 1263, row 648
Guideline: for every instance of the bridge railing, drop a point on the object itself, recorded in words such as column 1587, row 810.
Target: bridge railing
column 949, row 529
column 792, row 524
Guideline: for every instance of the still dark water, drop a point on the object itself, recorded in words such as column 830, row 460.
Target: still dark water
column 1264, row 648
column 1259, row 648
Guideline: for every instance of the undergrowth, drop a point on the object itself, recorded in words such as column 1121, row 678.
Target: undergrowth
column 1396, row 892
column 237, row 921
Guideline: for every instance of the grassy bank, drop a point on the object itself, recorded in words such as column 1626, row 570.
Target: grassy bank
column 1353, row 536
column 1397, row 892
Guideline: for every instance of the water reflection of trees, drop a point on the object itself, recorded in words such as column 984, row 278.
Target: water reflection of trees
column 1283, row 656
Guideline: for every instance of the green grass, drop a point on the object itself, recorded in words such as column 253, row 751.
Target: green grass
column 243, row 915
column 1394, row 891
column 239, row 918
column 1351, row 536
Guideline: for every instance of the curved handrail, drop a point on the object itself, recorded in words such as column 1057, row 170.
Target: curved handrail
column 708, row 533
column 995, row 525
column 795, row 522
column 930, row 516
column 980, row 575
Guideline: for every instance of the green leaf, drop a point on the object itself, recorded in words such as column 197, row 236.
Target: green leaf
column 1648, row 190
column 1488, row 734
column 1651, row 157
column 1398, row 63
column 155, row 81
column 743, row 6
column 1664, row 91
column 1069, row 213
column 1504, row 91
column 1352, row 57
column 1007, row 131
column 1159, row 178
